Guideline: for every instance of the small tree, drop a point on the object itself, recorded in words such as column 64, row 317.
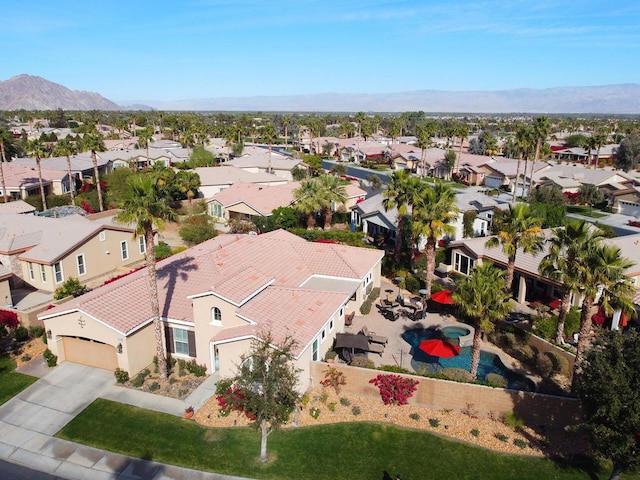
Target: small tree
column 590, row 195
column 71, row 286
column 264, row 388
column 610, row 399
column 197, row 229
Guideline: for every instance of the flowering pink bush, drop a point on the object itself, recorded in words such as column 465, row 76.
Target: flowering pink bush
column 394, row 389
column 333, row 378
column 9, row 319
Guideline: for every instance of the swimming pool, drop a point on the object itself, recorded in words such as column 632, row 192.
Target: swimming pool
column 489, row 362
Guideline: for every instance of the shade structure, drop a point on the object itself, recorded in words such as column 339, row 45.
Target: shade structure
column 439, row 348
column 443, row 297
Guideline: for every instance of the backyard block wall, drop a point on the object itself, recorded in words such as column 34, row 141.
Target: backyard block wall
column 535, row 409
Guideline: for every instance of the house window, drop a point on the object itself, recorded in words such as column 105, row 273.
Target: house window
column 82, row 269
column 217, row 210
column 124, row 250
column 463, row 264
column 331, row 324
column 142, row 245
column 323, row 334
column 43, row 273
column 181, row 341
column 216, row 316
column 102, row 236
column 57, row 272
column 314, row 355
column 32, row 275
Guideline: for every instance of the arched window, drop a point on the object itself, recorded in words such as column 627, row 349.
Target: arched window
column 216, row 315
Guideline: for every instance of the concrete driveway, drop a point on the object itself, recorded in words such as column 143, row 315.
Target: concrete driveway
column 52, row 402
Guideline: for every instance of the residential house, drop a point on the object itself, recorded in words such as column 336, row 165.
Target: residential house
column 570, row 178
column 17, row 206
column 22, row 180
column 502, row 174
column 256, row 159
column 215, row 299
column 42, row 253
column 244, row 201
column 216, row 179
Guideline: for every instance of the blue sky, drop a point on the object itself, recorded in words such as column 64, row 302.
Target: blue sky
column 172, row 50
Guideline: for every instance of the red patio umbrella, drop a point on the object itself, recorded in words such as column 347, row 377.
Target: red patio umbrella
column 443, row 297
column 439, row 348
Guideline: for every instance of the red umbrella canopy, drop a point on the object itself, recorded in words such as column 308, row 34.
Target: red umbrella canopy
column 439, row 348
column 443, row 296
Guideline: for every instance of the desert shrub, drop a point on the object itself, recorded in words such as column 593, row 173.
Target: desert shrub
column 71, row 286
column 197, row 229
column 414, row 416
column 195, row 369
column 412, row 283
column 304, row 400
column 544, row 365
column 434, row 422
column 394, row 369
column 154, row 386
column 394, row 389
column 330, row 355
column 139, row 379
column 365, row 308
column 509, row 340
column 356, row 410
column 362, row 362
column 122, row 376
column 456, row 374
column 172, row 380
column 475, row 432
column 526, row 353
column 513, row 420
column 333, row 378
column 501, row 436
column 50, row 358
column 162, row 250
column 518, row 442
column 497, row 380
column 26, row 357
column 332, row 406
column 36, row 331
column 21, row 334
column 546, row 327
column 345, row 401
column 314, row 412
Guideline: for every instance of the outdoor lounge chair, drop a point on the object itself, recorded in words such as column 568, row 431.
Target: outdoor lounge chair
column 373, row 338
column 375, row 348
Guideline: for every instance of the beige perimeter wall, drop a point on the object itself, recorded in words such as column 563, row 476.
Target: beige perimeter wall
column 535, row 409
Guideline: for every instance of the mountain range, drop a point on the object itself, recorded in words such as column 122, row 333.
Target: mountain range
column 36, row 93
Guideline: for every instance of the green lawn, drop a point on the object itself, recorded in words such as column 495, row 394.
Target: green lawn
column 349, row 450
column 585, row 211
column 11, row 383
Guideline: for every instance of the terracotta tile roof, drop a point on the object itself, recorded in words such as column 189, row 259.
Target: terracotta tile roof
column 262, row 198
column 235, row 267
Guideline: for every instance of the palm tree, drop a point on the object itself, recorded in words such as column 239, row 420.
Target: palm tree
column 482, row 298
column 517, row 229
column 145, row 136
column 434, row 211
column 424, row 131
column 602, row 269
column 36, row 147
column 462, row 132
column 360, row 117
column 561, row 264
column 286, row 121
column 590, row 144
column 541, row 130
column 68, row 147
column 270, row 135
column 145, row 206
column 309, row 199
column 334, row 192
column 4, row 137
column 94, row 143
column 599, row 138
column 524, row 138
column 188, row 183
column 397, row 195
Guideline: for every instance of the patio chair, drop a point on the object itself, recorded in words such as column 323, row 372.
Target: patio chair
column 373, row 338
column 418, row 315
column 376, row 348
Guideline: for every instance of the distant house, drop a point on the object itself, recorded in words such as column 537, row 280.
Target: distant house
column 215, row 299
column 257, row 160
column 216, row 179
column 21, row 180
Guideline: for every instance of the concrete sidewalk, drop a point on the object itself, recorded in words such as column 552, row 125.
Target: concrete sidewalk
column 30, row 419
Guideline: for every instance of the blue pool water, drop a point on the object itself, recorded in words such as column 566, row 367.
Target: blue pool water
column 489, row 362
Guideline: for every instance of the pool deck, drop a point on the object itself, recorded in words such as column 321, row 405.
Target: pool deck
column 397, row 351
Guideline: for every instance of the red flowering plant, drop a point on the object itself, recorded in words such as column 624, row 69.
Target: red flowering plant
column 86, row 207
column 333, row 378
column 8, row 323
column 230, row 398
column 394, row 389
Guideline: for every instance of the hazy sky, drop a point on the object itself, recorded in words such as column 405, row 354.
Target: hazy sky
column 171, row 50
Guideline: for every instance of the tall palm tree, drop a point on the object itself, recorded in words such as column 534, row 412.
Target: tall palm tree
column 309, row 199
column 146, row 207
column 37, row 148
column 518, row 228
column 334, row 192
column 599, row 138
column 602, row 269
column 270, row 135
column 4, row 137
column 481, row 297
column 68, row 147
column 286, row 121
column 188, row 183
column 590, row 145
column 424, row 131
column 145, row 136
column 561, row 264
column 95, row 144
column 524, row 139
column 462, row 132
column 398, row 195
column 541, row 130
column 434, row 211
